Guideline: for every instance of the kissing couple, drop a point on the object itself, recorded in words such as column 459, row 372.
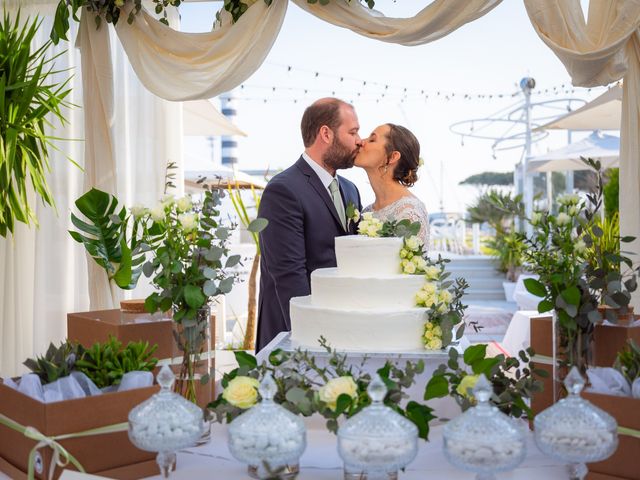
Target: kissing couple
column 306, row 203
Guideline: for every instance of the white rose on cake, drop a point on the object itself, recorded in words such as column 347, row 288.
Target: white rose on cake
column 413, row 243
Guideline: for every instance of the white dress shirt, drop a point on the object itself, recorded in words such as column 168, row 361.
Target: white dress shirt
column 325, row 177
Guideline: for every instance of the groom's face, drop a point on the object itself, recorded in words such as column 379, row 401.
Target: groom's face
column 346, row 141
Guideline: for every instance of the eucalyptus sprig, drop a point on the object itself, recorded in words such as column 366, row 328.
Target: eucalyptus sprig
column 300, row 377
column 513, row 379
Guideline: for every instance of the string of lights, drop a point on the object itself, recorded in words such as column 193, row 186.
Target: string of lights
column 360, row 87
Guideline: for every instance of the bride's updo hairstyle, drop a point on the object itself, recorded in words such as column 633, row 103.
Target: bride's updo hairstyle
column 400, row 139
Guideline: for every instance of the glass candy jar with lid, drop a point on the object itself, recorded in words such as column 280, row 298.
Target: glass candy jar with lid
column 165, row 423
column 268, row 437
column 377, row 441
column 575, row 431
column 483, row 439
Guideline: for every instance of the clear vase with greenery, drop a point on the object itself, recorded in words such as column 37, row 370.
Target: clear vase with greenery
column 182, row 246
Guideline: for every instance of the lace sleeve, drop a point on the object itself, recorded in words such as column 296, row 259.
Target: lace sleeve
column 415, row 211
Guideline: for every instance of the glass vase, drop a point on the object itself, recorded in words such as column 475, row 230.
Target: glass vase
column 194, row 341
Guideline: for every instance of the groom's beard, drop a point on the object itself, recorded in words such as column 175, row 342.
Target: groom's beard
column 338, row 156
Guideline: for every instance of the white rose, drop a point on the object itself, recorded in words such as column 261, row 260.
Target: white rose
column 563, row 219
column 184, row 204
column 437, row 331
column 580, row 246
column 413, row 243
column 445, row 296
column 434, row 344
column 432, row 272
column 429, row 287
column 420, row 263
column 157, row 213
column 372, row 231
column 167, row 200
column 335, row 387
column 367, row 216
column 572, row 210
column 568, row 199
column 138, row 211
column 536, row 217
column 356, row 215
column 409, row 268
column 188, row 221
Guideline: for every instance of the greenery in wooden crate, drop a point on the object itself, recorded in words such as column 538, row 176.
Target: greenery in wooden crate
column 106, row 363
column 56, row 363
column 29, row 100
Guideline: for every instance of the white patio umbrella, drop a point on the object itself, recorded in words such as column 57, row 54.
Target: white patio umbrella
column 201, row 118
column 220, row 175
column 603, row 113
column 598, row 146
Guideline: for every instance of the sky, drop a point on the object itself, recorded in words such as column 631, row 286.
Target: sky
column 486, row 57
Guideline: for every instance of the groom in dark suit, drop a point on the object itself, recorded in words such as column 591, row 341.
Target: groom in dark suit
column 305, row 205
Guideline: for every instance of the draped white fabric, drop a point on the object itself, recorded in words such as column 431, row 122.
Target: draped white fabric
column 43, row 272
column 599, row 51
column 436, row 20
column 186, row 66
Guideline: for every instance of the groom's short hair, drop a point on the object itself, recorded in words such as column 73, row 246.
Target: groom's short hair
column 325, row 111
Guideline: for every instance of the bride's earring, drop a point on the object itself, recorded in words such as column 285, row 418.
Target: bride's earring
column 384, row 171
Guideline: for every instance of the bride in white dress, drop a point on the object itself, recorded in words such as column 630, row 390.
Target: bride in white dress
column 390, row 156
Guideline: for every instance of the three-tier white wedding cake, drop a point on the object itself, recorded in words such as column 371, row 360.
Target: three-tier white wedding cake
column 365, row 304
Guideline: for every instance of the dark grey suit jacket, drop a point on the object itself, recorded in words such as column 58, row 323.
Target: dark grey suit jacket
column 303, row 224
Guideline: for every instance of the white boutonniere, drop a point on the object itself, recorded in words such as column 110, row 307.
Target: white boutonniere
column 352, row 213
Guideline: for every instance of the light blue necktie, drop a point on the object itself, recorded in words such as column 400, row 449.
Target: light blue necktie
column 337, row 200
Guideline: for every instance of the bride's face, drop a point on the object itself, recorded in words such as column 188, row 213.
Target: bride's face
column 372, row 154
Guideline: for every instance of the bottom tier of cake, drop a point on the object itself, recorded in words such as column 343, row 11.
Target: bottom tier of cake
column 374, row 330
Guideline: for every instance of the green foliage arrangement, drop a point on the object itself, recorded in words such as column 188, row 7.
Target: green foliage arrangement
column 612, row 192
column 28, row 96
column 628, row 361
column 513, row 379
column 499, row 210
column 56, row 363
column 116, row 239
column 571, row 281
column 332, row 390
column 107, row 10
column 106, row 363
column 111, row 11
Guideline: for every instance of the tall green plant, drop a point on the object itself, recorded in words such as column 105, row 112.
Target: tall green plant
column 28, row 96
column 612, row 192
column 253, row 225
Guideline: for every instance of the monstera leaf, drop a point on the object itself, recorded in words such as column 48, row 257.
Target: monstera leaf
column 104, row 237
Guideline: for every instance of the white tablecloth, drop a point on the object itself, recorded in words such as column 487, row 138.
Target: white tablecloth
column 518, row 335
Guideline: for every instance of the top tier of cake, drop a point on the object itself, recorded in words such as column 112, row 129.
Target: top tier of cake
column 368, row 256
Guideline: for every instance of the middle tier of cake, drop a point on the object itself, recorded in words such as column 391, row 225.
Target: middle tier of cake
column 331, row 288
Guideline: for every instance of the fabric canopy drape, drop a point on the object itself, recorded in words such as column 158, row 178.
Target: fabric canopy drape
column 600, row 51
column 188, row 66
column 435, row 21
column 43, row 272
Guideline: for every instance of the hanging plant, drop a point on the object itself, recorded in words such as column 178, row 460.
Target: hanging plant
column 27, row 97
